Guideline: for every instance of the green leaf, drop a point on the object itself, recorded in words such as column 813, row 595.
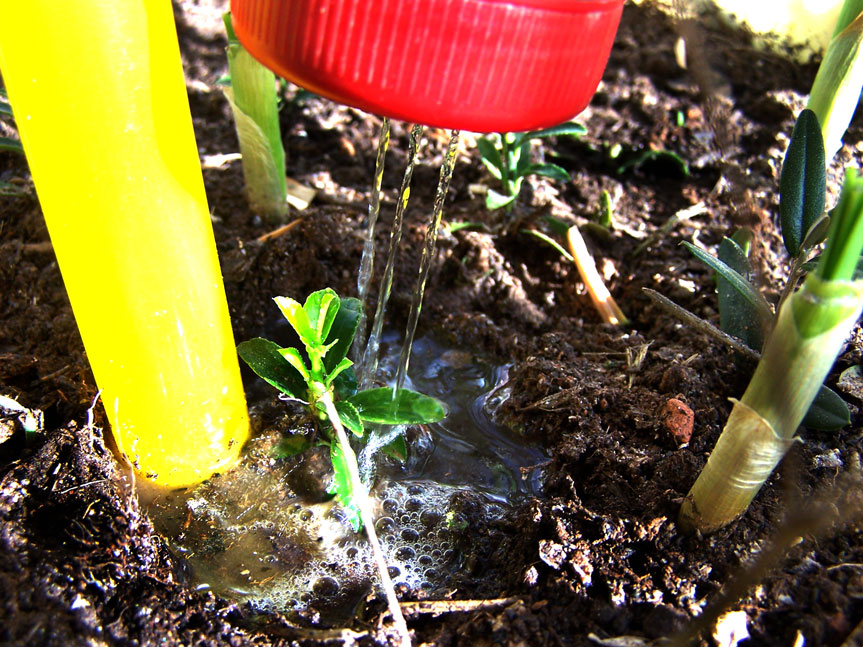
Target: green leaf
column 293, row 357
column 5, row 109
column 376, row 405
column 453, row 227
column 522, row 160
column 343, row 487
column 550, row 241
column 344, row 365
column 802, row 183
column 264, row 358
column 828, row 411
column 552, row 171
column 572, row 128
column 495, row 200
column 350, row 417
column 346, row 383
column 397, row 448
column 739, row 283
column 656, row 156
column 11, row 145
column 297, row 317
column 342, row 331
column 558, row 226
column 321, row 308
column 290, row 446
column 737, row 316
column 490, row 156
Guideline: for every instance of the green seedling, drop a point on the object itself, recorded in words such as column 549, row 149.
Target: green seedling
column 743, row 312
column 637, row 159
column 507, row 158
column 251, row 91
column 802, row 340
column 322, row 378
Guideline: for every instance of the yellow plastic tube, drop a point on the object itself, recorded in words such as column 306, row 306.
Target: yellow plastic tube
column 99, row 98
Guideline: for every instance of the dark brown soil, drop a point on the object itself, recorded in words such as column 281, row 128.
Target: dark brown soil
column 600, row 553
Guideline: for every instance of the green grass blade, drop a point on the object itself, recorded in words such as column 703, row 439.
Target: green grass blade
column 739, row 283
column 845, row 237
column 571, row 128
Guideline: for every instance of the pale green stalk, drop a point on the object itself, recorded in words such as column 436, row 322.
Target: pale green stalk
column 364, row 504
column 254, row 103
column 837, row 84
column 850, row 10
column 811, row 328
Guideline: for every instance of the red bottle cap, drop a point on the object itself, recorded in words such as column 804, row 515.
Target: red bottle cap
column 478, row 65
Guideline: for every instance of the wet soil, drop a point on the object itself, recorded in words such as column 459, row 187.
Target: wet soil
column 598, row 555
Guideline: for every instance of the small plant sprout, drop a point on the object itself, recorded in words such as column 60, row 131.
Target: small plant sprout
column 584, row 263
column 323, row 379
column 254, row 103
column 746, row 318
column 836, row 89
column 802, row 343
column 507, row 158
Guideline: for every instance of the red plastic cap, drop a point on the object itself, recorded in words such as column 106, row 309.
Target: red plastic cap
column 478, row 65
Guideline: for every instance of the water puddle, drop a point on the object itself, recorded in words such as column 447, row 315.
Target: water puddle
column 249, row 536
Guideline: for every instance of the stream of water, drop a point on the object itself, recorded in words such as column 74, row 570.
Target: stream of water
column 368, row 367
column 366, row 272
column 446, row 170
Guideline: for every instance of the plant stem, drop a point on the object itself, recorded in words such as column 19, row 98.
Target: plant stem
column 364, row 504
column 810, row 329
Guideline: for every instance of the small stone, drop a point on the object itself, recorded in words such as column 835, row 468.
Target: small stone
column 677, row 418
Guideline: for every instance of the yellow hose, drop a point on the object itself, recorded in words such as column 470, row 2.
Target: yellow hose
column 99, row 98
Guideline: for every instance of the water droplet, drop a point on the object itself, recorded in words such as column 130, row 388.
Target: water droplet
column 385, row 525
column 326, row 587
column 413, row 504
column 409, row 534
column 430, row 518
column 405, row 553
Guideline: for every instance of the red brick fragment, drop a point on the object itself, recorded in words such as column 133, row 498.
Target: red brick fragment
column 678, row 419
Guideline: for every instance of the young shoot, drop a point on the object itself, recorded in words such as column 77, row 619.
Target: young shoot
column 254, row 103
column 837, row 85
column 507, row 158
column 321, row 377
column 809, row 332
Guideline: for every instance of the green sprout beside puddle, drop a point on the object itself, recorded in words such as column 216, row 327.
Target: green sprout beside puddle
column 323, row 379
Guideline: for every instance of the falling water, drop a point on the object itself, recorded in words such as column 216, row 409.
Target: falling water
column 368, row 367
column 364, row 279
column 446, row 170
